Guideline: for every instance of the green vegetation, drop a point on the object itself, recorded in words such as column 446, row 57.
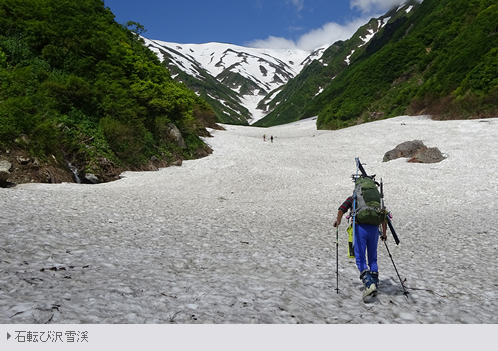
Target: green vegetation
column 301, row 96
column 439, row 59
column 211, row 91
column 78, row 85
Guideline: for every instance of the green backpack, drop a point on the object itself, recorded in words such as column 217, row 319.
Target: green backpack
column 368, row 207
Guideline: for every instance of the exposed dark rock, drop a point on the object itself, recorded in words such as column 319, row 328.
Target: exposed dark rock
column 23, row 160
column 24, row 168
column 416, row 151
column 406, row 149
column 5, row 167
column 92, row 178
column 376, row 115
column 429, row 155
column 176, row 136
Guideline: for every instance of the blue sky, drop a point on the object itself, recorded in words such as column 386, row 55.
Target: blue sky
column 306, row 24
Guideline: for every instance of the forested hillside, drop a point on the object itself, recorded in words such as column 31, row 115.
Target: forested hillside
column 78, row 87
column 440, row 59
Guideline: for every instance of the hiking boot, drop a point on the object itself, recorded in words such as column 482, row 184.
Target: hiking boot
column 368, row 281
column 375, row 278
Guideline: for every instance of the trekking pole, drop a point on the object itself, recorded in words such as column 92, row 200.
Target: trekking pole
column 402, row 285
column 337, row 257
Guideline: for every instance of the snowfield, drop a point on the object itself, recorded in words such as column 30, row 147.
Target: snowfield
column 245, row 236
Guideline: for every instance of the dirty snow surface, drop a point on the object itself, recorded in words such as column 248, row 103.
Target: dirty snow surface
column 245, row 235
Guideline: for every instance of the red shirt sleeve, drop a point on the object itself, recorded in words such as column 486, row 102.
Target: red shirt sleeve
column 346, row 205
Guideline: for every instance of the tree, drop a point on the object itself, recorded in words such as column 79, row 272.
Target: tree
column 136, row 27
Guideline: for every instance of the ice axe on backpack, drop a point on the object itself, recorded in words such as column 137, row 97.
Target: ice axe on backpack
column 388, row 216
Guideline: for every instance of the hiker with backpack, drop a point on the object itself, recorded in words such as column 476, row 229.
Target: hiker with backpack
column 368, row 215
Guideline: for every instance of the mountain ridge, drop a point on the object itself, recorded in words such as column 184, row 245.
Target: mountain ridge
column 296, row 95
column 440, row 58
column 238, row 92
column 248, row 73
column 431, row 57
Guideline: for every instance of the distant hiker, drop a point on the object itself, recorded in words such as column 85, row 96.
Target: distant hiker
column 366, row 229
column 271, row 138
column 264, row 137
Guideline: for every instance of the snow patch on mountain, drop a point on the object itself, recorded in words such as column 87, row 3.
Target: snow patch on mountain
column 349, row 56
column 369, row 36
column 266, row 69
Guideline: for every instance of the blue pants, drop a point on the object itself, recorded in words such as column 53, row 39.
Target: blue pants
column 366, row 240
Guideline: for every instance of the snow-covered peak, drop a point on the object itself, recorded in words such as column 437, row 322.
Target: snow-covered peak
column 218, row 57
column 251, row 72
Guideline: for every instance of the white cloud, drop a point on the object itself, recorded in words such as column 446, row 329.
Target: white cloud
column 299, row 4
column 369, row 6
column 272, row 43
column 324, row 36
column 330, row 32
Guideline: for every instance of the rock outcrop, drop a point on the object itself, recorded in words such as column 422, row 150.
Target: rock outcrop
column 176, row 136
column 416, row 151
column 406, row 149
column 5, row 167
column 429, row 155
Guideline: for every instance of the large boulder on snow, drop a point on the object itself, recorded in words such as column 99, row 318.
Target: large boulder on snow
column 406, row 149
column 429, row 155
column 416, row 151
